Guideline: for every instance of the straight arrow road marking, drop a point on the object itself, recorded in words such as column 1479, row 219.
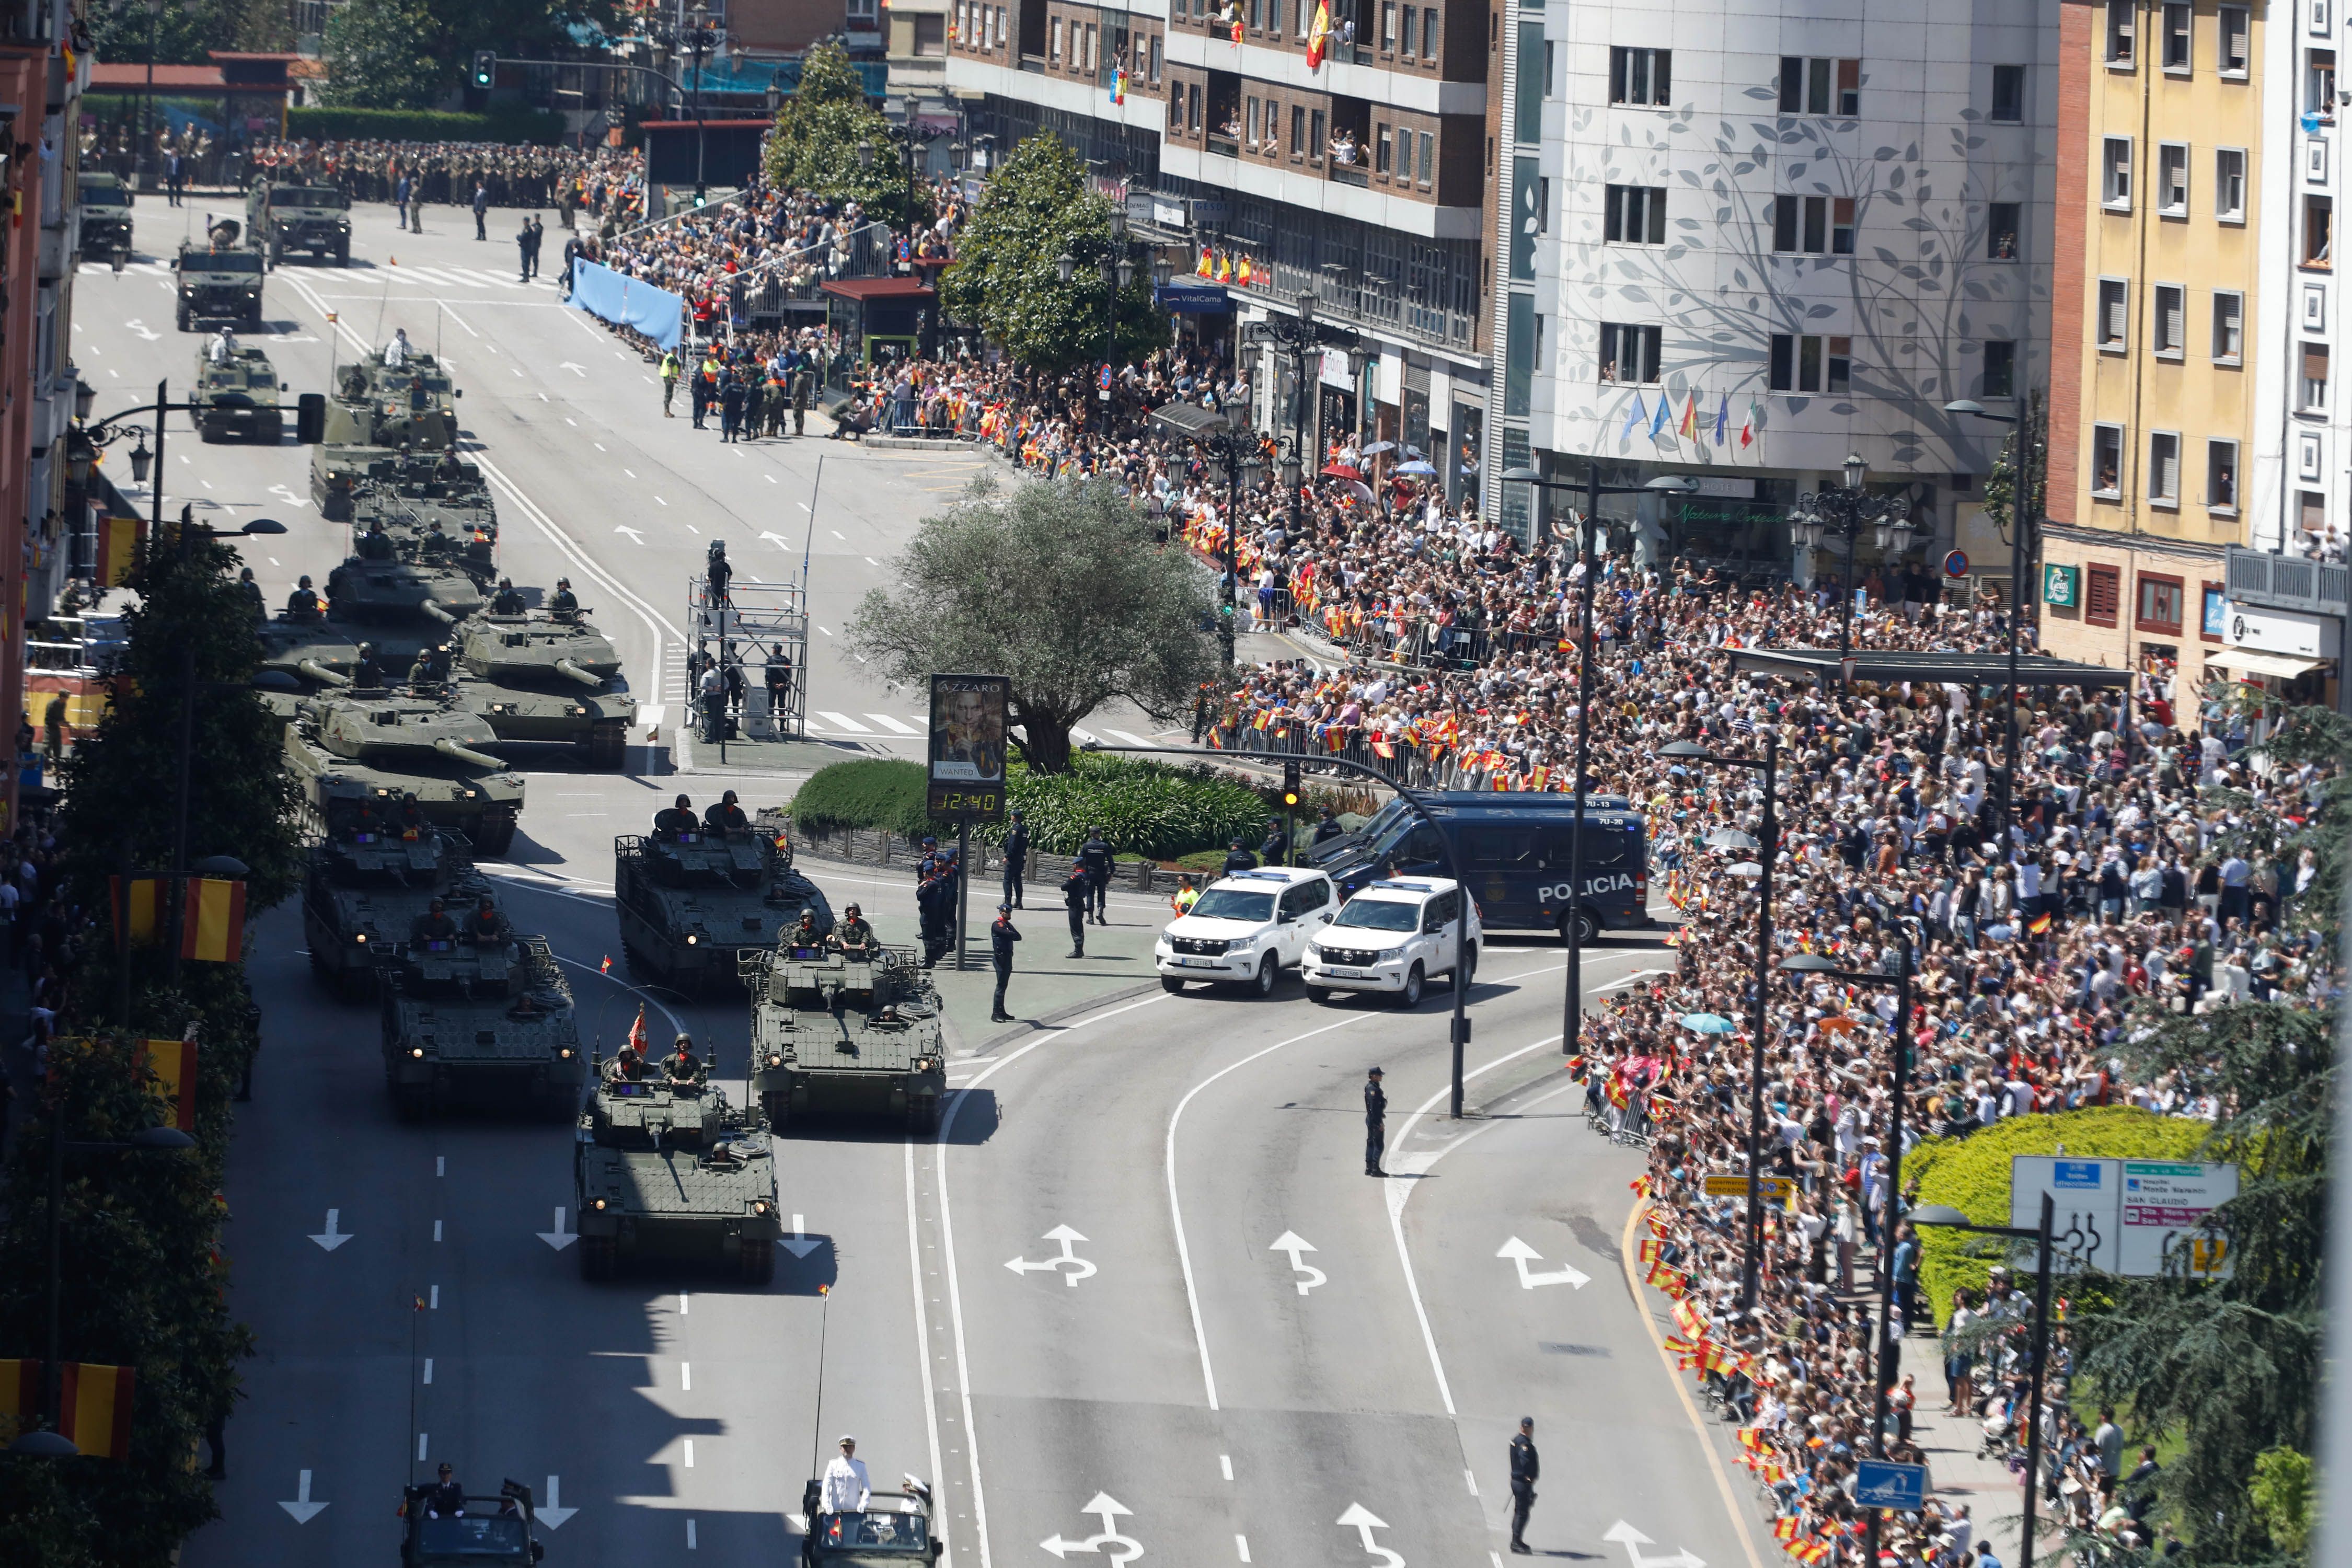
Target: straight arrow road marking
column 1364, row 1521
column 635, row 537
column 1520, row 1253
column 551, row 1514
column 800, row 1246
column 1291, row 1242
column 303, row 1509
column 556, row 1238
column 581, row 372
column 1632, row 1540
column 334, row 1237
column 1080, row 1268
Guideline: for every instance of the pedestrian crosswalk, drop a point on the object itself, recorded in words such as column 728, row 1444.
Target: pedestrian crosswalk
column 442, row 277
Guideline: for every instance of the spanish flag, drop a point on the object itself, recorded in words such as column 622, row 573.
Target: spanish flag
column 141, row 905
column 1689, row 427
column 117, row 546
column 1206, row 267
column 2038, row 923
column 172, row 1064
column 93, row 1407
column 213, row 928
column 1318, row 35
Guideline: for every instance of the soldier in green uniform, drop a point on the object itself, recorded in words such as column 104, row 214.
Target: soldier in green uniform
column 853, row 936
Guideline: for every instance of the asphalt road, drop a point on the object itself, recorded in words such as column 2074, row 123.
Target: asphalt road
column 1136, row 1302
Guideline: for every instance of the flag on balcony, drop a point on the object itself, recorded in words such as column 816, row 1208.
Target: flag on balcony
column 1633, row 417
column 1206, row 267
column 212, row 930
column 1241, row 273
column 1658, row 419
column 1118, row 86
column 1318, row 35
column 94, row 1404
column 1747, row 428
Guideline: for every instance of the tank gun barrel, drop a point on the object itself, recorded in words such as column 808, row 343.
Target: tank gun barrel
column 317, row 671
column 578, row 674
column 433, row 608
column 449, row 748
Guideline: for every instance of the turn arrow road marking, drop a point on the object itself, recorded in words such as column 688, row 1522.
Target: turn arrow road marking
column 1364, row 1520
column 303, row 1509
column 1080, row 1268
column 1632, row 1540
column 333, row 1238
column 1291, row 1242
column 635, row 537
column 1119, row 1548
column 1520, row 1253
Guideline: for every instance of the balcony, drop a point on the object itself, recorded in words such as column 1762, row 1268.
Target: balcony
column 1224, row 146
column 1351, row 175
column 1035, row 65
column 2288, row 581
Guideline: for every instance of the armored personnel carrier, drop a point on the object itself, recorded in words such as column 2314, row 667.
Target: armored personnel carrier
column 436, row 510
column 237, row 398
column 484, row 1020
column 219, row 281
column 485, row 1532
column 835, row 1035
column 377, row 409
column 105, row 217
column 347, row 747
column 550, row 679
column 372, row 875
column 692, row 907
column 672, row 1171
column 316, row 218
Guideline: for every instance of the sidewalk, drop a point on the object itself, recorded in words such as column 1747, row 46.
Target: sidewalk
column 1996, row 1499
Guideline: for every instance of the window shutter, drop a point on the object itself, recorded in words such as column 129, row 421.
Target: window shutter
column 2176, row 318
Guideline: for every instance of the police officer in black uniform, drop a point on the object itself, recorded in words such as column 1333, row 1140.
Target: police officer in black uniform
column 1001, row 938
column 1327, row 827
column 1375, row 1110
column 724, row 816
column 1276, row 846
column 676, row 817
column 1077, row 891
column 508, row 600
column 1016, row 858
column 1095, row 856
column 1237, row 860
column 1523, row 1484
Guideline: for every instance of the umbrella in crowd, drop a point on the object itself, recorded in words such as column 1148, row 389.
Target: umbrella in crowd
column 1708, row 1023
column 1342, row 471
column 1417, row 468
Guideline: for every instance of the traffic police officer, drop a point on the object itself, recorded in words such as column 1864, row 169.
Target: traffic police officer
column 1375, row 1110
column 1523, row 1484
column 1076, row 892
column 1095, row 856
column 1016, row 858
column 1237, row 860
column 1001, row 938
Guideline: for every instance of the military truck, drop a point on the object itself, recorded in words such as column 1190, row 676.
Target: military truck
column 236, row 398
column 892, row 1530
column 348, row 746
column 371, row 876
column 376, row 409
column 316, row 218
column 836, row 1036
column 219, row 281
column 488, row 1532
column 691, row 907
column 486, row 1021
column 105, row 217
column 554, row 678
column 668, row 1170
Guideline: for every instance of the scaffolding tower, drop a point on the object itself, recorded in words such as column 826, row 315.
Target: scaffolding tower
column 742, row 626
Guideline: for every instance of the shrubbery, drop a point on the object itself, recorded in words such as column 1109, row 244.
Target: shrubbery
column 868, row 793
column 1143, row 807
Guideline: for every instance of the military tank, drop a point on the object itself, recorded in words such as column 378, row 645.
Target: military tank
column 554, row 678
column 315, row 652
column 836, row 1036
column 436, row 513
column 371, row 876
column 486, row 1021
column 672, row 1170
column 689, row 908
column 377, row 410
column 236, row 398
column 402, row 606
column 348, row 746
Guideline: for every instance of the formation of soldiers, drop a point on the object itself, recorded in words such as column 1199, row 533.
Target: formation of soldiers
column 600, row 181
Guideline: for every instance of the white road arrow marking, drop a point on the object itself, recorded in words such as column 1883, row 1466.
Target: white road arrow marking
column 1520, row 1253
column 287, row 495
column 551, row 1514
column 136, row 325
column 1364, row 1521
column 779, row 541
column 334, row 1237
column 579, row 370
column 1080, row 1268
column 634, row 535
column 1291, row 1242
column 557, row 1238
column 1119, row 1548
column 303, row 1509
column 800, row 1246
column 1634, row 1540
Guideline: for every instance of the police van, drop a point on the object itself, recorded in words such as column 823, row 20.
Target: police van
column 1513, row 853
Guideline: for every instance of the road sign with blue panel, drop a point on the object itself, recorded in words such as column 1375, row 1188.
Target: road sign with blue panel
column 2086, row 1202
column 1881, row 1483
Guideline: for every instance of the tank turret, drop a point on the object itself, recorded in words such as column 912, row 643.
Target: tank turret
column 349, row 747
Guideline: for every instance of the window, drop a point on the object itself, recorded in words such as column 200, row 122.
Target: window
column 1193, row 98
column 2229, row 183
column 931, row 35
column 1429, row 32
column 1089, row 65
column 1053, row 53
column 2318, row 230
column 1640, row 76
column 1999, row 368
column 2171, row 325
column 1387, row 27
column 2000, row 230
column 2229, row 327
column 2116, row 173
column 2311, row 513
column 1155, row 58
column 2222, row 475
column 1629, row 353
column 2160, row 601
column 1252, row 125
column 2319, row 85
column 2115, row 315
column 2164, row 469
column 1429, row 161
column 1297, row 131
column 1543, row 188
column 1404, row 41
column 2172, row 179
column 1636, row 214
column 1813, row 224
column 2009, row 94
column 1810, row 364
column 2311, row 393
column 2122, row 21
column 2233, row 32
column 1819, row 86
column 2177, row 43
column 1841, row 226
column 2102, row 589
column 2107, row 460
column 1315, row 140
column 1380, row 157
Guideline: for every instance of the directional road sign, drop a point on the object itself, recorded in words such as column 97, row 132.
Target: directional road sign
column 1881, row 1483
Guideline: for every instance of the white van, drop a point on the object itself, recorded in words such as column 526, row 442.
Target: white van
column 1247, row 927
column 1394, row 936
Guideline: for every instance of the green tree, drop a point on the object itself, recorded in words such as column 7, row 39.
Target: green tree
column 121, row 32
column 819, row 132
column 1059, row 585
column 381, row 54
column 2002, row 485
column 1006, row 280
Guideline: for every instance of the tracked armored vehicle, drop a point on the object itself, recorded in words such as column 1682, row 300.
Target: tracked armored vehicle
column 372, row 876
column 219, row 281
column 549, row 679
column 318, row 653
column 376, row 409
column 377, row 587
column 835, row 1035
column 316, row 218
column 664, row 1170
column 348, row 746
column 485, row 1021
column 691, row 908
column 236, row 400
column 436, row 511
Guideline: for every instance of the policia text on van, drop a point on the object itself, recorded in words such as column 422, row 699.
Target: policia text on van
column 1514, row 853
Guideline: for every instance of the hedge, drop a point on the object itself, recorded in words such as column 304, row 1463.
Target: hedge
column 1971, row 1174
column 868, row 793
column 330, row 124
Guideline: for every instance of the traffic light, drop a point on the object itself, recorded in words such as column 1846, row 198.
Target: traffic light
column 1289, row 785
column 701, row 194
column 485, row 67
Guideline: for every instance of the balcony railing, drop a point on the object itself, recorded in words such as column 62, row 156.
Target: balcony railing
column 1350, row 174
column 1035, row 63
column 1224, row 146
column 2288, row 581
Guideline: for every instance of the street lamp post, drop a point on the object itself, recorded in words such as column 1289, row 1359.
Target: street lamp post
column 2023, row 522
column 1294, row 336
column 1806, row 963
column 1845, row 513
column 1117, row 270
column 1769, row 765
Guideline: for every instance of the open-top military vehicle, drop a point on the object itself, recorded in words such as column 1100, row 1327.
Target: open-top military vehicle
column 105, row 217
column 480, row 1019
column 316, row 218
column 551, row 678
column 841, row 1035
column 693, row 905
column 376, row 410
column 219, row 281
column 671, row 1169
column 350, row 745
column 373, row 874
column 893, row 1530
column 485, row 1532
column 236, row 399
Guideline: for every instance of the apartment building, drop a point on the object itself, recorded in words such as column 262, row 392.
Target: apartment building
column 1362, row 179
column 1742, row 242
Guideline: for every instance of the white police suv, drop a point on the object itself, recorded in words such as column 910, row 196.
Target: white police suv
column 1247, row 927
column 1394, row 936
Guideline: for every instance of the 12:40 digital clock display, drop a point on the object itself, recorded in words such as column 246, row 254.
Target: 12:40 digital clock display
column 952, row 800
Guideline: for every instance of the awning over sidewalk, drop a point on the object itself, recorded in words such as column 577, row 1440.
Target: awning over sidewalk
column 2284, row 666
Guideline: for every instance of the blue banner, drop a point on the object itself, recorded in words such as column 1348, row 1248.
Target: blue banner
column 627, row 301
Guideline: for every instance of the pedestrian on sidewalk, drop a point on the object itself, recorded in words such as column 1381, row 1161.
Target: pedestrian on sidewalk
column 1001, row 938
column 1524, row 1470
column 1077, row 889
column 1016, row 858
column 1375, row 1110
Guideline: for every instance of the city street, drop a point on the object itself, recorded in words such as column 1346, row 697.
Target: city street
column 1136, row 1302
